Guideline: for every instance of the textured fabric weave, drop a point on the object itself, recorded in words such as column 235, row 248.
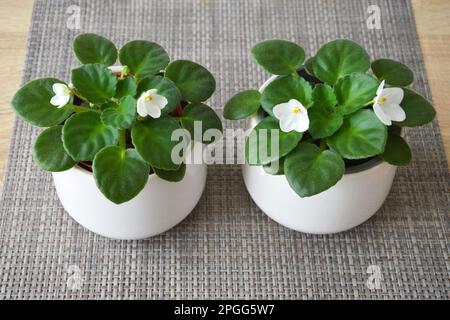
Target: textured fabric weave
column 227, row 248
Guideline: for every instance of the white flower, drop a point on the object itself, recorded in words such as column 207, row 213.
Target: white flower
column 62, row 95
column 292, row 115
column 150, row 103
column 387, row 104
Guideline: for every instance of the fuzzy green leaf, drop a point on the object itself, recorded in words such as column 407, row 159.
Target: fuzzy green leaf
column 126, row 87
column 310, row 171
column 120, row 174
column 172, row 175
column 95, row 82
column 323, row 121
column 361, row 136
column 32, row 103
column 202, row 113
column 242, row 105
column 419, row 110
column 393, row 72
column 84, row 134
column 323, row 94
column 92, row 48
column 122, row 116
column 397, row 151
column 196, row 84
column 49, row 153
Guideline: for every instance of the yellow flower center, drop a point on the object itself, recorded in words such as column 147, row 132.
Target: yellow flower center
column 148, row 98
column 382, row 99
column 296, row 110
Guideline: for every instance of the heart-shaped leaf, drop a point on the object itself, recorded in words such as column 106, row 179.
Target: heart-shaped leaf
column 84, row 134
column 258, row 145
column 361, row 136
column 49, row 153
column 126, row 87
column 196, row 84
column 92, row 48
column 278, row 56
column 419, row 110
column 323, row 121
column 310, row 170
column 120, row 174
column 152, row 139
column 283, row 89
column 323, row 94
column 353, row 91
column 393, row 72
column 397, row 151
column 165, row 87
column 121, row 117
column 172, row 175
column 32, row 103
column 338, row 58
column 205, row 116
column 95, row 82
column 143, row 58
column 242, row 105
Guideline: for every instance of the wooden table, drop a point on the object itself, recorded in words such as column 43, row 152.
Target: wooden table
column 433, row 26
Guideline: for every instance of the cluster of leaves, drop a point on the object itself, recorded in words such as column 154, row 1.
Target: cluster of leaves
column 100, row 122
column 338, row 98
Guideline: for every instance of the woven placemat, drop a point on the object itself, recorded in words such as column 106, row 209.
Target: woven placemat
column 227, row 248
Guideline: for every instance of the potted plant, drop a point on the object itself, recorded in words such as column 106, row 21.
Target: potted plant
column 108, row 137
column 327, row 134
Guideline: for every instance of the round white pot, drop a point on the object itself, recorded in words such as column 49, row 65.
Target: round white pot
column 354, row 199
column 158, row 207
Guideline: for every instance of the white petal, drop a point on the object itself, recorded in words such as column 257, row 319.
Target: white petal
column 141, row 110
column 59, row 89
column 150, row 92
column 380, row 88
column 302, row 122
column 159, row 100
column 393, row 95
column 59, row 100
column 394, row 112
column 153, row 110
column 381, row 115
column 288, row 124
column 282, row 110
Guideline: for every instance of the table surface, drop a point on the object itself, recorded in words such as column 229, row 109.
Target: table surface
column 433, row 27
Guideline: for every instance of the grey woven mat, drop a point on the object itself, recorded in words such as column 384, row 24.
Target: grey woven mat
column 227, row 248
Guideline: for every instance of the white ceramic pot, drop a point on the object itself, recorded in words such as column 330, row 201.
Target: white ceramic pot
column 354, row 199
column 158, row 207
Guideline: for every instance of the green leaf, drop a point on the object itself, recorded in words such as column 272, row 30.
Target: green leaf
column 49, row 153
column 278, row 56
column 84, row 134
column 353, row 91
column 95, row 82
column 121, row 117
column 92, row 48
column 242, row 105
column 419, row 110
column 143, row 58
column 310, row 171
column 283, row 89
column 32, row 103
column 274, row 168
column 196, row 84
column 165, row 88
column 172, row 175
column 393, row 72
column 323, row 121
column 309, row 65
column 126, row 87
column 152, row 139
column 258, row 145
column 120, row 174
column 397, row 151
column 323, row 94
column 338, row 58
column 361, row 136
column 200, row 112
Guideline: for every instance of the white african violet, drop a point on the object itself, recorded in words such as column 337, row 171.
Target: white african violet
column 151, row 103
column 292, row 115
column 353, row 200
column 387, row 104
column 62, row 95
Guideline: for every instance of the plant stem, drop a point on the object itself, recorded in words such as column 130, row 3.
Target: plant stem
column 78, row 109
column 323, row 145
column 122, row 139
